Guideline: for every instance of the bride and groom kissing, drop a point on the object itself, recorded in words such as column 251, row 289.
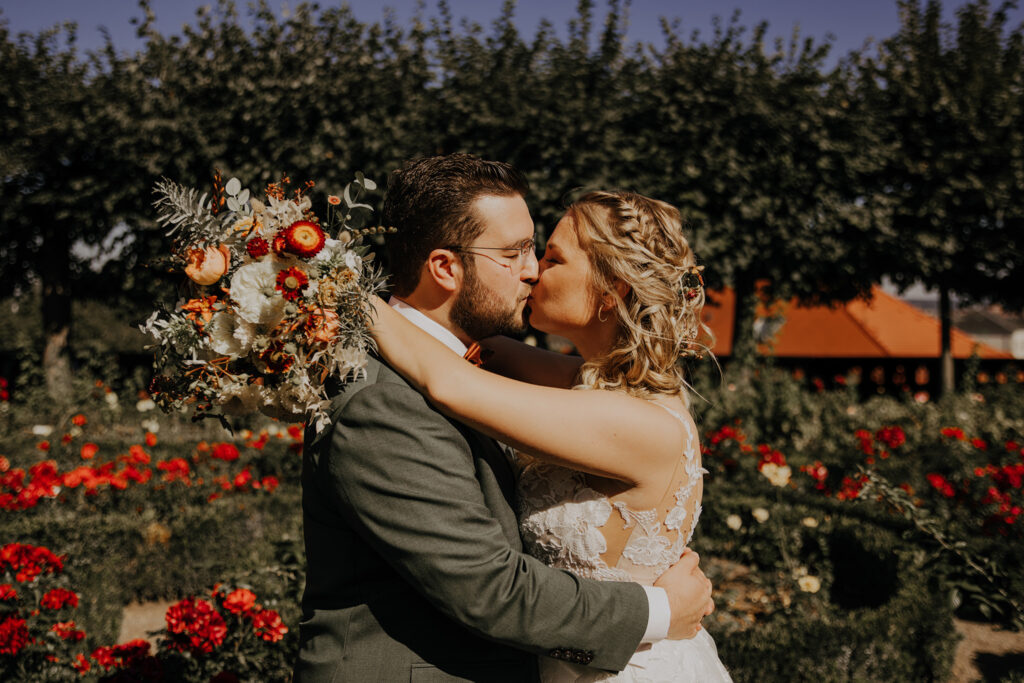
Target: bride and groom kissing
column 526, row 520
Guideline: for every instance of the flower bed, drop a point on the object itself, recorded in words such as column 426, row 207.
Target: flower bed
column 229, row 637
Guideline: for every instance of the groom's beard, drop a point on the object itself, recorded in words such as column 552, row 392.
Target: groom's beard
column 480, row 313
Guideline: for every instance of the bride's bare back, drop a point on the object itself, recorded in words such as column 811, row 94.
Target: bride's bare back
column 596, row 528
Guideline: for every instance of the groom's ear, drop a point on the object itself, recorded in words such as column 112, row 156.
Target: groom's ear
column 445, row 269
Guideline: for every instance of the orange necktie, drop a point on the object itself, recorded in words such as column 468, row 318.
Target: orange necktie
column 477, row 355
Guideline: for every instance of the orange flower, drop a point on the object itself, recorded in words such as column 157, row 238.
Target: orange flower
column 200, row 311
column 333, row 200
column 206, row 266
column 239, row 601
column 79, row 420
column 150, row 439
column 304, row 238
column 322, row 326
column 89, row 450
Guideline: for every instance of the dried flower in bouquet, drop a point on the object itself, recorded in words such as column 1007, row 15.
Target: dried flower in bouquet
column 274, row 307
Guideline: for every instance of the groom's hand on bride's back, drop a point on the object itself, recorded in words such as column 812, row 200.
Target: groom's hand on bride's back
column 689, row 596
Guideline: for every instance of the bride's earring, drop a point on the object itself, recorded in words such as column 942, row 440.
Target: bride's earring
column 600, row 309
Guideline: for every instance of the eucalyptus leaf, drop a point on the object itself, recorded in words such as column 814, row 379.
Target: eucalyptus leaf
column 233, row 204
column 243, row 196
column 233, row 187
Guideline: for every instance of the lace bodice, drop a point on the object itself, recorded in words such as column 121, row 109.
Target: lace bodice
column 561, row 520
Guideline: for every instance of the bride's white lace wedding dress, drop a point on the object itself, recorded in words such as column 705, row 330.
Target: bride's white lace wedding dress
column 564, row 522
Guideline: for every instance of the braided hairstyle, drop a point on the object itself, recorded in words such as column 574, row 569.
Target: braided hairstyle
column 639, row 241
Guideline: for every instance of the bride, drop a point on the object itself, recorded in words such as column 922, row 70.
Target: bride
column 608, row 455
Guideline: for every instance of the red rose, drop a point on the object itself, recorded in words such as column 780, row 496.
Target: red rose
column 13, row 635
column 57, row 598
column 224, row 451
column 28, row 561
column 242, row 479
column 67, row 631
column 268, row 625
column 195, row 626
column 81, row 664
column 79, row 420
column 7, row 593
column 138, row 455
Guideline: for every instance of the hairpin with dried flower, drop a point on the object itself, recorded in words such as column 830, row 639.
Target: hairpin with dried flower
column 691, row 283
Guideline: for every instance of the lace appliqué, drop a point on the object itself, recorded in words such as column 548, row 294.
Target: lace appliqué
column 560, row 520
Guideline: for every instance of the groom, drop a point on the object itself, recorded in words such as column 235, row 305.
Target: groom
column 415, row 570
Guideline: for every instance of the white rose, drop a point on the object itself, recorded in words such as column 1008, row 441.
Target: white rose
column 145, row 405
column 253, row 289
column 809, row 584
column 760, row 514
column 151, row 425
column 42, row 430
column 734, row 522
column 809, row 522
column 778, row 476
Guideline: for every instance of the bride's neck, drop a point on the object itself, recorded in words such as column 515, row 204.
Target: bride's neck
column 596, row 340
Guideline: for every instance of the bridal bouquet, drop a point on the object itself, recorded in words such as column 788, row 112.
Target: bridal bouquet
column 272, row 306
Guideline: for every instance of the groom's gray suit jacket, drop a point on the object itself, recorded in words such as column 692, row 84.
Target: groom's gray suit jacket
column 415, row 569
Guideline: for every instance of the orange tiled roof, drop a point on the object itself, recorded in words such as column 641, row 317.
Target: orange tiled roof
column 885, row 327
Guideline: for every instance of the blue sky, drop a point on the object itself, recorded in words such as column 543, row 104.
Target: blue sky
column 850, row 22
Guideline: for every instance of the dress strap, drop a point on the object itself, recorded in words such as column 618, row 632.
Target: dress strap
column 673, row 413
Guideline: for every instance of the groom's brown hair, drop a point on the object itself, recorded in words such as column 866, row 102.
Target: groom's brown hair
column 430, row 201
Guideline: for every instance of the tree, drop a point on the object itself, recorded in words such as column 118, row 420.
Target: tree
column 59, row 177
column 765, row 153
column 949, row 105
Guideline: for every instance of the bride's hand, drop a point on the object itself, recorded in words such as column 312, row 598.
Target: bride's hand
column 689, row 595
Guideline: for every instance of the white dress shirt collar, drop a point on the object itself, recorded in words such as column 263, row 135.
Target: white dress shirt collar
column 431, row 327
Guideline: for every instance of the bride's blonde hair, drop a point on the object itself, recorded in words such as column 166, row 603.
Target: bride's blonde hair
column 639, row 241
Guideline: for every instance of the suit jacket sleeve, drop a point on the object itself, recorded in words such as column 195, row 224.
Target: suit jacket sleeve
column 403, row 476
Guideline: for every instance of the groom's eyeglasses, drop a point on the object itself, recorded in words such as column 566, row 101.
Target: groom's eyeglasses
column 516, row 254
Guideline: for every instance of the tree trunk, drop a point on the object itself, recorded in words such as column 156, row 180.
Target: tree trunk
column 744, row 345
column 56, row 310
column 948, row 384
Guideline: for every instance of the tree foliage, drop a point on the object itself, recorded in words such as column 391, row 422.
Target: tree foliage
column 816, row 180
column 949, row 105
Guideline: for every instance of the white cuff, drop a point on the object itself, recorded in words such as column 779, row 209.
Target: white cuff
column 659, row 616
